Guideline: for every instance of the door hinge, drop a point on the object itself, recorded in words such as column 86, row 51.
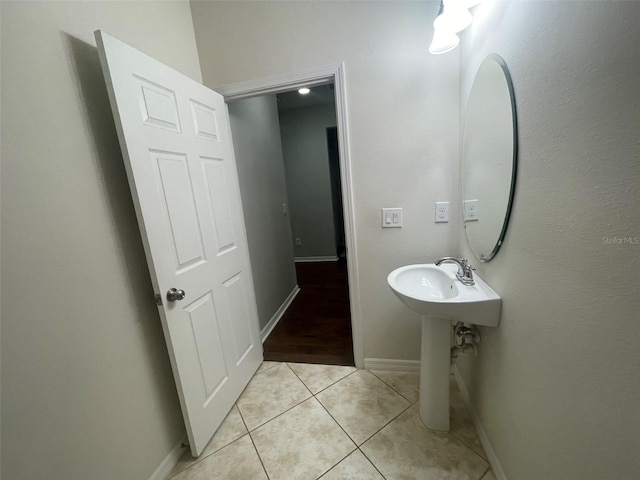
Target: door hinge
column 158, row 299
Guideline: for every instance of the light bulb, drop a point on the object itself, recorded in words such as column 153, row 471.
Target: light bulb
column 443, row 42
column 303, row 91
column 455, row 17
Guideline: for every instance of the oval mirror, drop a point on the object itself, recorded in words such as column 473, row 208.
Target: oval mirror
column 489, row 157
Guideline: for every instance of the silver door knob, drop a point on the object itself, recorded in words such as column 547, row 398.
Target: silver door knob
column 174, row 294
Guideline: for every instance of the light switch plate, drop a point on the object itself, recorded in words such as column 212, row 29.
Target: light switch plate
column 391, row 217
column 442, row 212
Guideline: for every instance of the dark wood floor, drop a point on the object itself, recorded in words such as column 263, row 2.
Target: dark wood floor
column 316, row 328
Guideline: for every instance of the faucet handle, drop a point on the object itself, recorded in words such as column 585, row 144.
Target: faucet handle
column 465, row 263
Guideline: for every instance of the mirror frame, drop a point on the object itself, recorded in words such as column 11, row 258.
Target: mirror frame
column 514, row 163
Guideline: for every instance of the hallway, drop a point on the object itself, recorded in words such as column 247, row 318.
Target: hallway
column 316, row 328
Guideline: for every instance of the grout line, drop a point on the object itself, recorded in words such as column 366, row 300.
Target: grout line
column 337, row 423
column 241, row 417
column 369, row 437
column 451, row 433
column 339, row 426
column 391, row 386
column 357, row 446
column 485, row 472
column 252, row 442
column 371, row 462
column 308, row 398
column 280, row 414
column 294, row 373
column 298, row 377
column 201, row 459
column 467, row 445
column 323, row 389
column 266, row 369
column 378, row 431
column 259, row 457
column 337, row 463
column 331, row 385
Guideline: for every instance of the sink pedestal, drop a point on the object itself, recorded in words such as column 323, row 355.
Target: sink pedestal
column 435, row 293
column 434, row 372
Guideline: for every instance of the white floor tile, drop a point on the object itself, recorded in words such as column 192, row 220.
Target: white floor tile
column 406, row 450
column 301, row 444
column 237, row 460
column 354, row 467
column 270, row 393
column 362, row 404
column 319, row 377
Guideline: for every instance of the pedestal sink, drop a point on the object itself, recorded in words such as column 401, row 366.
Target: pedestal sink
column 434, row 292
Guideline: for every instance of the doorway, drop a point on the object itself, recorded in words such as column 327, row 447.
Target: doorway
column 316, row 328
column 343, row 273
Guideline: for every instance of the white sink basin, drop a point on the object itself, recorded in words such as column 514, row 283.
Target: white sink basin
column 436, row 293
column 434, row 290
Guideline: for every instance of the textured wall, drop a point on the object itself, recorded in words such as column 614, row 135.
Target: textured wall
column 256, row 138
column 403, row 125
column 306, row 157
column 557, row 383
column 87, row 389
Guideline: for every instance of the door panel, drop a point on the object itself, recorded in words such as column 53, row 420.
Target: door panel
column 158, row 105
column 236, row 296
column 179, row 207
column 205, row 121
column 206, row 336
column 177, row 149
column 218, row 196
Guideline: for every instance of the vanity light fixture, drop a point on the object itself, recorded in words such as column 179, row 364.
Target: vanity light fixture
column 453, row 17
column 443, row 42
column 303, row 91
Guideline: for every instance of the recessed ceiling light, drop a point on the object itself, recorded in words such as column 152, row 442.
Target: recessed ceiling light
column 303, row 91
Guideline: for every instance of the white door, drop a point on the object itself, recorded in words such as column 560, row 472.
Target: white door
column 177, row 149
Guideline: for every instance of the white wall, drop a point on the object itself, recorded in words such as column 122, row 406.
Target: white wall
column 403, row 125
column 256, row 139
column 306, row 157
column 556, row 384
column 87, row 385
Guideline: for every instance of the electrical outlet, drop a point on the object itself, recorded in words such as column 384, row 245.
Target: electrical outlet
column 298, row 242
column 470, row 209
column 442, row 212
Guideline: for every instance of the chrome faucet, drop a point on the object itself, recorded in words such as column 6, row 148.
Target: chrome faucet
column 465, row 270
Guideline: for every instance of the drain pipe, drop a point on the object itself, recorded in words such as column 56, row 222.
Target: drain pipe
column 466, row 337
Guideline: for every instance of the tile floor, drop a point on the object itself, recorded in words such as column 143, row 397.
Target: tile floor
column 303, row 422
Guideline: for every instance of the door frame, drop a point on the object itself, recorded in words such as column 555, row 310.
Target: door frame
column 334, row 73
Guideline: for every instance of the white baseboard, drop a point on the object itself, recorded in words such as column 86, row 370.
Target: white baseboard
column 271, row 324
column 391, row 365
column 316, row 259
column 496, row 467
column 164, row 469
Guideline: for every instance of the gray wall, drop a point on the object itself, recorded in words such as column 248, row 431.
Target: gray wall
column 556, row 385
column 403, row 126
column 306, row 158
column 87, row 388
column 256, row 139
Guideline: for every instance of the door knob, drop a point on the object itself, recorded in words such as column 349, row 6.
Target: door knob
column 174, row 294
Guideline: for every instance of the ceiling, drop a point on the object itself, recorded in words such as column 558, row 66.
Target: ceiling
column 322, row 94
